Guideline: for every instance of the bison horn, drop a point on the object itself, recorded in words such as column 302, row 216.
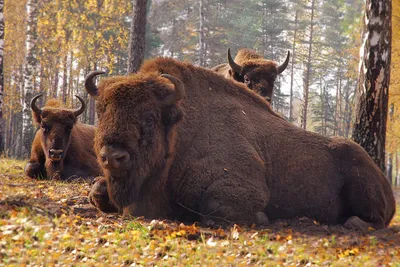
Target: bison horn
column 282, row 67
column 235, row 67
column 90, row 86
column 35, row 108
column 82, row 108
column 179, row 88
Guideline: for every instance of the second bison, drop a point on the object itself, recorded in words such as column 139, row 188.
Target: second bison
column 178, row 141
column 250, row 68
column 63, row 147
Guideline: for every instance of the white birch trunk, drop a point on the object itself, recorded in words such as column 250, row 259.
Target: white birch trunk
column 1, row 75
column 374, row 77
column 29, row 75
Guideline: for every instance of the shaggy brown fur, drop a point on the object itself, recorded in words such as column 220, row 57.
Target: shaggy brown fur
column 230, row 158
column 59, row 129
column 257, row 73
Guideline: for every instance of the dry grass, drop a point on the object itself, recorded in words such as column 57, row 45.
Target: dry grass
column 45, row 223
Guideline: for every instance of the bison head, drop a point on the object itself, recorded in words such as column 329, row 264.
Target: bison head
column 257, row 73
column 134, row 138
column 56, row 125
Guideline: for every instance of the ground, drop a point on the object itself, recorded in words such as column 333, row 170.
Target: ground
column 50, row 223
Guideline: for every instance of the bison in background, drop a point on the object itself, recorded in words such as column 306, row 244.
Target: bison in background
column 63, row 147
column 252, row 69
column 182, row 142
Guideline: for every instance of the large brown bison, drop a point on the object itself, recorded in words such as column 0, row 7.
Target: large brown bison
column 252, row 69
column 179, row 141
column 62, row 147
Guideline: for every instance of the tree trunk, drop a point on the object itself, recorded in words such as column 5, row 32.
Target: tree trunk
column 396, row 183
column 390, row 168
column 292, row 67
column 137, row 38
column 2, row 140
column 373, row 90
column 56, row 79
column 29, row 75
column 308, row 68
column 65, row 76
column 201, row 33
column 337, row 128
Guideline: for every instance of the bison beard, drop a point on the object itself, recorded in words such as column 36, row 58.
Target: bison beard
column 230, row 159
column 62, row 148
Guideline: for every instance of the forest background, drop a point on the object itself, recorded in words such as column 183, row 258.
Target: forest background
column 55, row 43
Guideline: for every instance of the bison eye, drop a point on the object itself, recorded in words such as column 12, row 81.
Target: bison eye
column 45, row 128
column 246, row 79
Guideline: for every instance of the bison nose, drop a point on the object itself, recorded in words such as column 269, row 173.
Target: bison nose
column 56, row 154
column 113, row 158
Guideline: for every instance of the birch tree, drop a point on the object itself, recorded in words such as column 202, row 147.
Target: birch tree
column 374, row 76
column 29, row 74
column 307, row 75
column 137, row 38
column 1, row 75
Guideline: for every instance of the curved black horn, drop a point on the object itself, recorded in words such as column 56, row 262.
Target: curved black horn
column 179, row 88
column 236, row 68
column 33, row 104
column 90, row 86
column 282, row 67
column 80, row 110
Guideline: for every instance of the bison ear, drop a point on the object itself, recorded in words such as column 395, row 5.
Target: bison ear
column 36, row 118
column 171, row 115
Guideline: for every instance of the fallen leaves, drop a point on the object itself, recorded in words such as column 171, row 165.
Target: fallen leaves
column 51, row 223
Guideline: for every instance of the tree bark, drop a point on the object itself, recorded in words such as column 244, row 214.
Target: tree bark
column 389, row 170
column 137, row 38
column 292, row 67
column 29, row 75
column 64, row 80
column 2, row 140
column 201, row 33
column 374, row 76
column 337, row 126
column 308, row 68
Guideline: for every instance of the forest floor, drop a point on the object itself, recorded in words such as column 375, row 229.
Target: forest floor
column 48, row 223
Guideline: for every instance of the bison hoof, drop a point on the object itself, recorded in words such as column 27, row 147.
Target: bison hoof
column 98, row 197
column 356, row 223
column 261, row 219
column 32, row 169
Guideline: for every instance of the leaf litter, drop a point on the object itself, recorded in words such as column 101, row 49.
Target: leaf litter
column 52, row 224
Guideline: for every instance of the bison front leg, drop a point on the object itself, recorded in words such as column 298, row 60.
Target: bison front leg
column 99, row 198
column 35, row 167
column 237, row 200
column 34, row 170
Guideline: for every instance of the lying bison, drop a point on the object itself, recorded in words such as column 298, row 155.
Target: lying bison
column 62, row 147
column 250, row 68
column 189, row 144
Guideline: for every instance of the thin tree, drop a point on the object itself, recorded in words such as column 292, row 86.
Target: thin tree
column 374, row 76
column 307, row 75
column 292, row 66
column 201, row 33
column 29, row 74
column 137, row 35
column 1, row 75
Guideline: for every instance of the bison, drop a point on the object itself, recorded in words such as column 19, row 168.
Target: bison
column 62, row 148
column 182, row 142
column 250, row 68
